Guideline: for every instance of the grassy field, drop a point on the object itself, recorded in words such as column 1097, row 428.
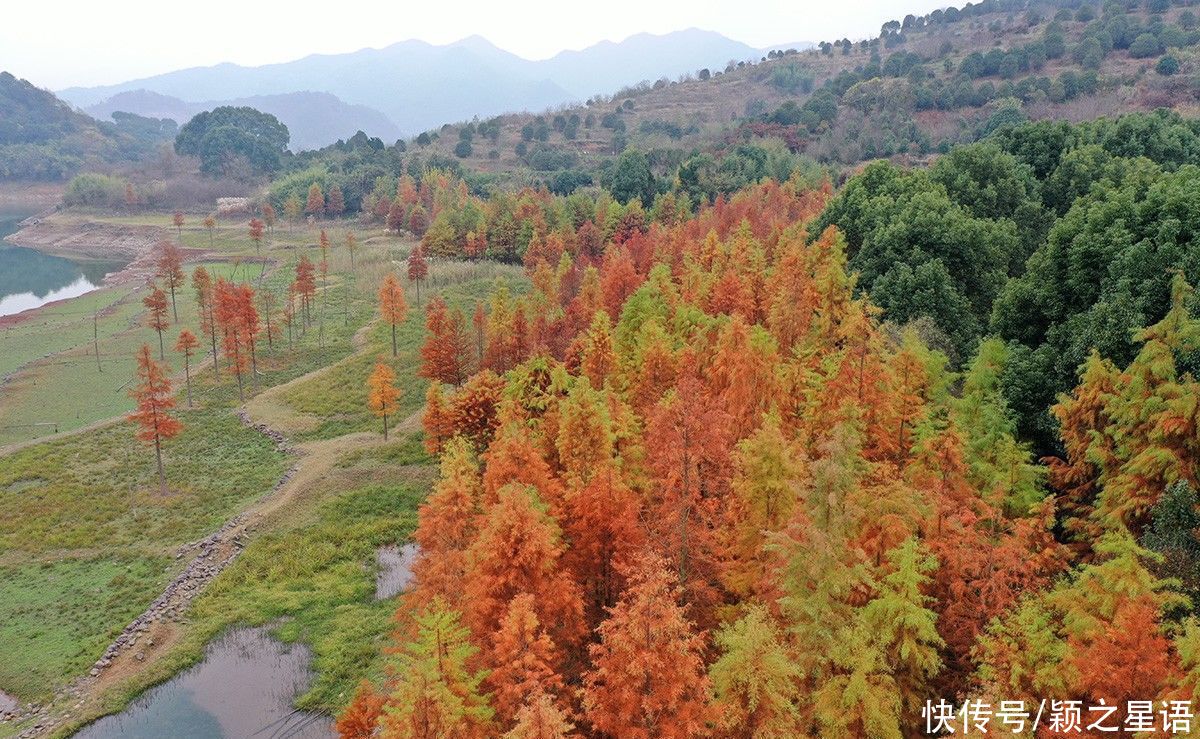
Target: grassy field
column 56, row 617
column 316, row 571
column 51, row 362
column 86, row 542
column 86, row 539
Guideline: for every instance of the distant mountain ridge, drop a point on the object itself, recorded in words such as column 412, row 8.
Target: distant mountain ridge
column 418, row 85
column 314, row 119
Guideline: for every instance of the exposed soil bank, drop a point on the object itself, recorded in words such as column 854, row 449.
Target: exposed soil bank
column 82, row 239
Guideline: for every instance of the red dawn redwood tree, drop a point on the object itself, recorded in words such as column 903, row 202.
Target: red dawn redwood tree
column 392, row 307
column 154, row 403
column 382, row 393
column 418, row 270
column 156, row 316
column 444, row 354
column 169, row 269
column 648, row 675
column 186, row 343
column 205, row 305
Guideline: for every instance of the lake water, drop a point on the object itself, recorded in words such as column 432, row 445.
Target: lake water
column 29, row 278
column 244, row 688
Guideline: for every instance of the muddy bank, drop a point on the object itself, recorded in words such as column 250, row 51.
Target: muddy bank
column 81, row 239
column 8, row 704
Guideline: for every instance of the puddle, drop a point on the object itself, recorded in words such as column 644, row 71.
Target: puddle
column 8, row 703
column 395, row 569
column 244, row 688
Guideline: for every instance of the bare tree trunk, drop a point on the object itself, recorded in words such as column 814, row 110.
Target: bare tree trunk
column 96, row 339
column 187, row 373
column 213, row 335
column 162, row 477
column 385, row 427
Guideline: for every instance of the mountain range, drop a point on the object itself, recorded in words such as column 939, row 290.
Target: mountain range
column 412, row 86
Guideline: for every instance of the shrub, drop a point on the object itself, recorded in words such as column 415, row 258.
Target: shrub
column 94, row 190
column 791, row 78
column 1145, row 45
column 1167, row 66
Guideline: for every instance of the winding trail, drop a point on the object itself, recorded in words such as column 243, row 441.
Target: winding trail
column 150, row 637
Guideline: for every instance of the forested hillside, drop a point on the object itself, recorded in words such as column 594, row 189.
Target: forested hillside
column 42, row 138
column 924, row 84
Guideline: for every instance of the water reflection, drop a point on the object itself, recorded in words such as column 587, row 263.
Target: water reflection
column 16, row 303
column 395, row 569
column 244, row 688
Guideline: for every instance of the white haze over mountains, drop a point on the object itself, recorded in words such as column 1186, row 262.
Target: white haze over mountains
column 412, row 86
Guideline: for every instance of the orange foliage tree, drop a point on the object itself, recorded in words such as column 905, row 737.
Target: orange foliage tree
column 315, row 205
column 206, row 307
column 336, row 204
column 169, row 270
column 256, row 234
column 153, row 413
column 648, row 678
column 444, row 353
column 156, row 315
column 305, row 285
column 185, row 345
column 418, row 270
column 392, row 307
column 382, row 393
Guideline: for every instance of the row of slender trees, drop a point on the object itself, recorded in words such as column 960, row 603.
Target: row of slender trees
column 234, row 318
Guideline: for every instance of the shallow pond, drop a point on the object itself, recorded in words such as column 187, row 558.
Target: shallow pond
column 244, row 688
column 29, row 278
column 395, row 569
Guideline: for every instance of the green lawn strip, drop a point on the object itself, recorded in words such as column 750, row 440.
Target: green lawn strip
column 98, row 490
column 67, row 389
column 57, row 328
column 321, row 578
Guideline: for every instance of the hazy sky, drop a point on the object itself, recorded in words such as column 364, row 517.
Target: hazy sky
column 59, row 44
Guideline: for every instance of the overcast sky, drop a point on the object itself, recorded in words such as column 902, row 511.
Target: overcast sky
column 65, row 43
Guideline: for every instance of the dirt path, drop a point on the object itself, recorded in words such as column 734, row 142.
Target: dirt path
column 151, row 636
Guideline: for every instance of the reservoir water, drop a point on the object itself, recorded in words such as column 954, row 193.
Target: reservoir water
column 244, row 688
column 29, row 278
